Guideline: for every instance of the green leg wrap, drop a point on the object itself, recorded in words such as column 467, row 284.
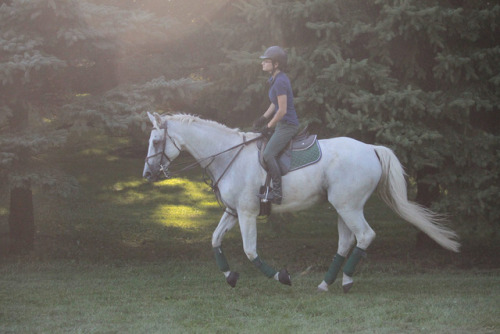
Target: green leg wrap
column 220, row 259
column 266, row 270
column 353, row 260
column 334, row 269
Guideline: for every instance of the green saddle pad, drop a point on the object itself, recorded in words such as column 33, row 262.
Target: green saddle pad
column 305, row 157
column 293, row 160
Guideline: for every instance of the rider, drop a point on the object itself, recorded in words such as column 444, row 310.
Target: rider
column 279, row 123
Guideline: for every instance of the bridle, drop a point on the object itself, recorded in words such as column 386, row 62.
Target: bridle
column 163, row 154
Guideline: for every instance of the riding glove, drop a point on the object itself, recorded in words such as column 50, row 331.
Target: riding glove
column 259, row 123
column 267, row 132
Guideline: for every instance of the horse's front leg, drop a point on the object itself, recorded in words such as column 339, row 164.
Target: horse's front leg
column 226, row 223
column 248, row 227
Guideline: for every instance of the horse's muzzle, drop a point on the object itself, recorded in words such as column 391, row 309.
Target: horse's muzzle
column 162, row 175
column 149, row 176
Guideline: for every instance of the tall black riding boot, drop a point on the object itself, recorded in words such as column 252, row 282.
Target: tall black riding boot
column 274, row 170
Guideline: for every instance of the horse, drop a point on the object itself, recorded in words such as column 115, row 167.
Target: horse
column 347, row 174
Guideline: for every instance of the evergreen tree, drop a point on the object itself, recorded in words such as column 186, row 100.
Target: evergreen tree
column 66, row 66
column 421, row 77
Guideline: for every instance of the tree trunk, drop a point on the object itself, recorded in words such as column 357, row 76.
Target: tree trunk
column 21, row 221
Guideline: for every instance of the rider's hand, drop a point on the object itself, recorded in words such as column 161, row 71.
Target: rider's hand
column 267, row 132
column 259, row 123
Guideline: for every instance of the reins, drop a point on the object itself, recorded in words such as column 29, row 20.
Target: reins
column 191, row 165
column 209, row 180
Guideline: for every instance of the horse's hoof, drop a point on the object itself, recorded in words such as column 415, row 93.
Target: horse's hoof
column 284, row 277
column 232, row 278
column 347, row 287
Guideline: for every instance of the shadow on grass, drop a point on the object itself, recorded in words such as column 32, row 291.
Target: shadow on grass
column 118, row 216
column 133, row 219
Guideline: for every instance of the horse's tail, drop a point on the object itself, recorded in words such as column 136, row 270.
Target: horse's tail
column 392, row 189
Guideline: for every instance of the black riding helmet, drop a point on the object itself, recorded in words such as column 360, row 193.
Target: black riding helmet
column 277, row 55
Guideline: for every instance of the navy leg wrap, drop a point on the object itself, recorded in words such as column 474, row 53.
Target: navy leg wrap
column 220, row 259
column 353, row 260
column 266, row 270
column 334, row 269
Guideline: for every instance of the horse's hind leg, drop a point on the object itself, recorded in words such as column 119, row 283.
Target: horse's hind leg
column 364, row 234
column 227, row 222
column 346, row 240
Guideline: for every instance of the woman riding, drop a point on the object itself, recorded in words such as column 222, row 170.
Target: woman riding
column 280, row 122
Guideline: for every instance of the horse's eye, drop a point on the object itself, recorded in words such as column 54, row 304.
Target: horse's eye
column 156, row 142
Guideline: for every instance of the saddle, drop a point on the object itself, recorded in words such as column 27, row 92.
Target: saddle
column 303, row 150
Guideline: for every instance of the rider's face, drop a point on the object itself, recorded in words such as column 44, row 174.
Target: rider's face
column 267, row 65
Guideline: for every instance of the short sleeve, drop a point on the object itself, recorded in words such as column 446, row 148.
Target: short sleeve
column 281, row 88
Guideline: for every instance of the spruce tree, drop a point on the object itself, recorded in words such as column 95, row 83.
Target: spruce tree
column 67, row 66
column 418, row 76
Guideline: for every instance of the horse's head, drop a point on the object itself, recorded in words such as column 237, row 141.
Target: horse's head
column 161, row 152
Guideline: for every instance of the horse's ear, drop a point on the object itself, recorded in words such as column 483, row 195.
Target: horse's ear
column 153, row 120
column 159, row 121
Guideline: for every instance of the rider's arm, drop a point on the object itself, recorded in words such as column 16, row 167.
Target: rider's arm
column 269, row 112
column 282, row 104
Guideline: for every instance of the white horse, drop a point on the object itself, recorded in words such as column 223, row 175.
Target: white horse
column 347, row 174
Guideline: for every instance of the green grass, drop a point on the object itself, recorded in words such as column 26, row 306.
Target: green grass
column 192, row 297
column 127, row 256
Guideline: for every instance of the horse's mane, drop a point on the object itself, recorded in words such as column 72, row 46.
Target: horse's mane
column 186, row 118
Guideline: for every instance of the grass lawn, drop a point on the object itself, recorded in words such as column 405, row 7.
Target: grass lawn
column 192, row 297
column 126, row 256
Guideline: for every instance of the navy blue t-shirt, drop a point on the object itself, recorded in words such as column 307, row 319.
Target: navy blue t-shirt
column 282, row 86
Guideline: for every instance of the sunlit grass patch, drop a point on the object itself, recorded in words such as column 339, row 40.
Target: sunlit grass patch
column 178, row 216
column 209, row 203
column 129, row 191
column 119, row 186
column 93, row 151
column 194, row 189
column 189, row 191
